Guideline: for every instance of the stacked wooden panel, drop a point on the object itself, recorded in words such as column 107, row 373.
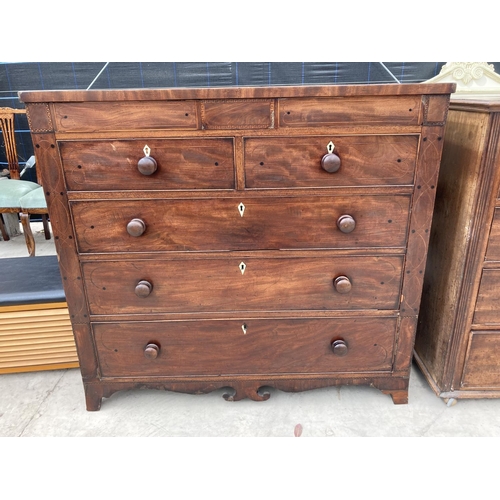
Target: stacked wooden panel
column 36, row 337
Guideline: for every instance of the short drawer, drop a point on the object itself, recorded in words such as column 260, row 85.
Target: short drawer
column 230, row 347
column 482, row 364
column 246, row 223
column 243, row 283
column 487, row 310
column 180, row 164
column 124, row 116
column 331, row 111
column 493, row 251
column 284, row 162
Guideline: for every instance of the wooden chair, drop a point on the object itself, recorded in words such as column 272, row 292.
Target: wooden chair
column 13, row 190
column 33, row 203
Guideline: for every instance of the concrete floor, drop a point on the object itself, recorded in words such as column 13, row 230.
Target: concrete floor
column 51, row 403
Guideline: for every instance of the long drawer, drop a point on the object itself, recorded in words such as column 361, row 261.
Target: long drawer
column 285, row 162
column 245, row 223
column 180, row 164
column 257, row 346
column 243, row 283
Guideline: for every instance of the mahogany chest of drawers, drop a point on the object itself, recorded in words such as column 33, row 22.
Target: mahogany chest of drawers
column 241, row 238
column 458, row 337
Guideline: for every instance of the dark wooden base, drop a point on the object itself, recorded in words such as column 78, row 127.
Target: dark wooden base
column 238, row 389
column 451, row 394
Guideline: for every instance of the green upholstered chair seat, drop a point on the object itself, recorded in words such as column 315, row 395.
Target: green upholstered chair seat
column 12, row 190
column 34, row 200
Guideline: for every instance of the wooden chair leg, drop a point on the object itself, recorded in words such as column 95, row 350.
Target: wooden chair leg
column 28, row 235
column 46, row 229
column 5, row 235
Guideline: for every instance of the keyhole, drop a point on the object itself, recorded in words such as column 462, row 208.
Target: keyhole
column 242, row 267
column 241, row 209
column 244, row 328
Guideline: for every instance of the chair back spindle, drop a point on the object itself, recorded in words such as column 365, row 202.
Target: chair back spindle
column 8, row 132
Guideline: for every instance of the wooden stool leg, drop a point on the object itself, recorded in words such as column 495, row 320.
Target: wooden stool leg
column 5, row 235
column 46, row 229
column 28, row 235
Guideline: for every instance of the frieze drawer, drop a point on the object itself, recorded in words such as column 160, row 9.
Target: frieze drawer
column 321, row 111
column 124, row 116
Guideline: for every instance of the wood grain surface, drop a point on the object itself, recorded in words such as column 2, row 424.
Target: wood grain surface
column 217, row 224
column 368, row 160
column 181, row 164
column 217, row 284
column 267, row 347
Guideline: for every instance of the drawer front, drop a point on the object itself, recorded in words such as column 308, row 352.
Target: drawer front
column 188, row 348
column 482, row 365
column 241, row 223
column 127, row 115
column 330, row 111
column 180, row 164
column 284, row 162
column 488, row 304
column 237, row 114
column 493, row 251
column 224, row 284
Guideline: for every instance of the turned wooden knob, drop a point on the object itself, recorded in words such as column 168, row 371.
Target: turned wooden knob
column 147, row 165
column 151, row 351
column 346, row 223
column 339, row 347
column 136, row 227
column 330, row 163
column 143, row 288
column 342, row 284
